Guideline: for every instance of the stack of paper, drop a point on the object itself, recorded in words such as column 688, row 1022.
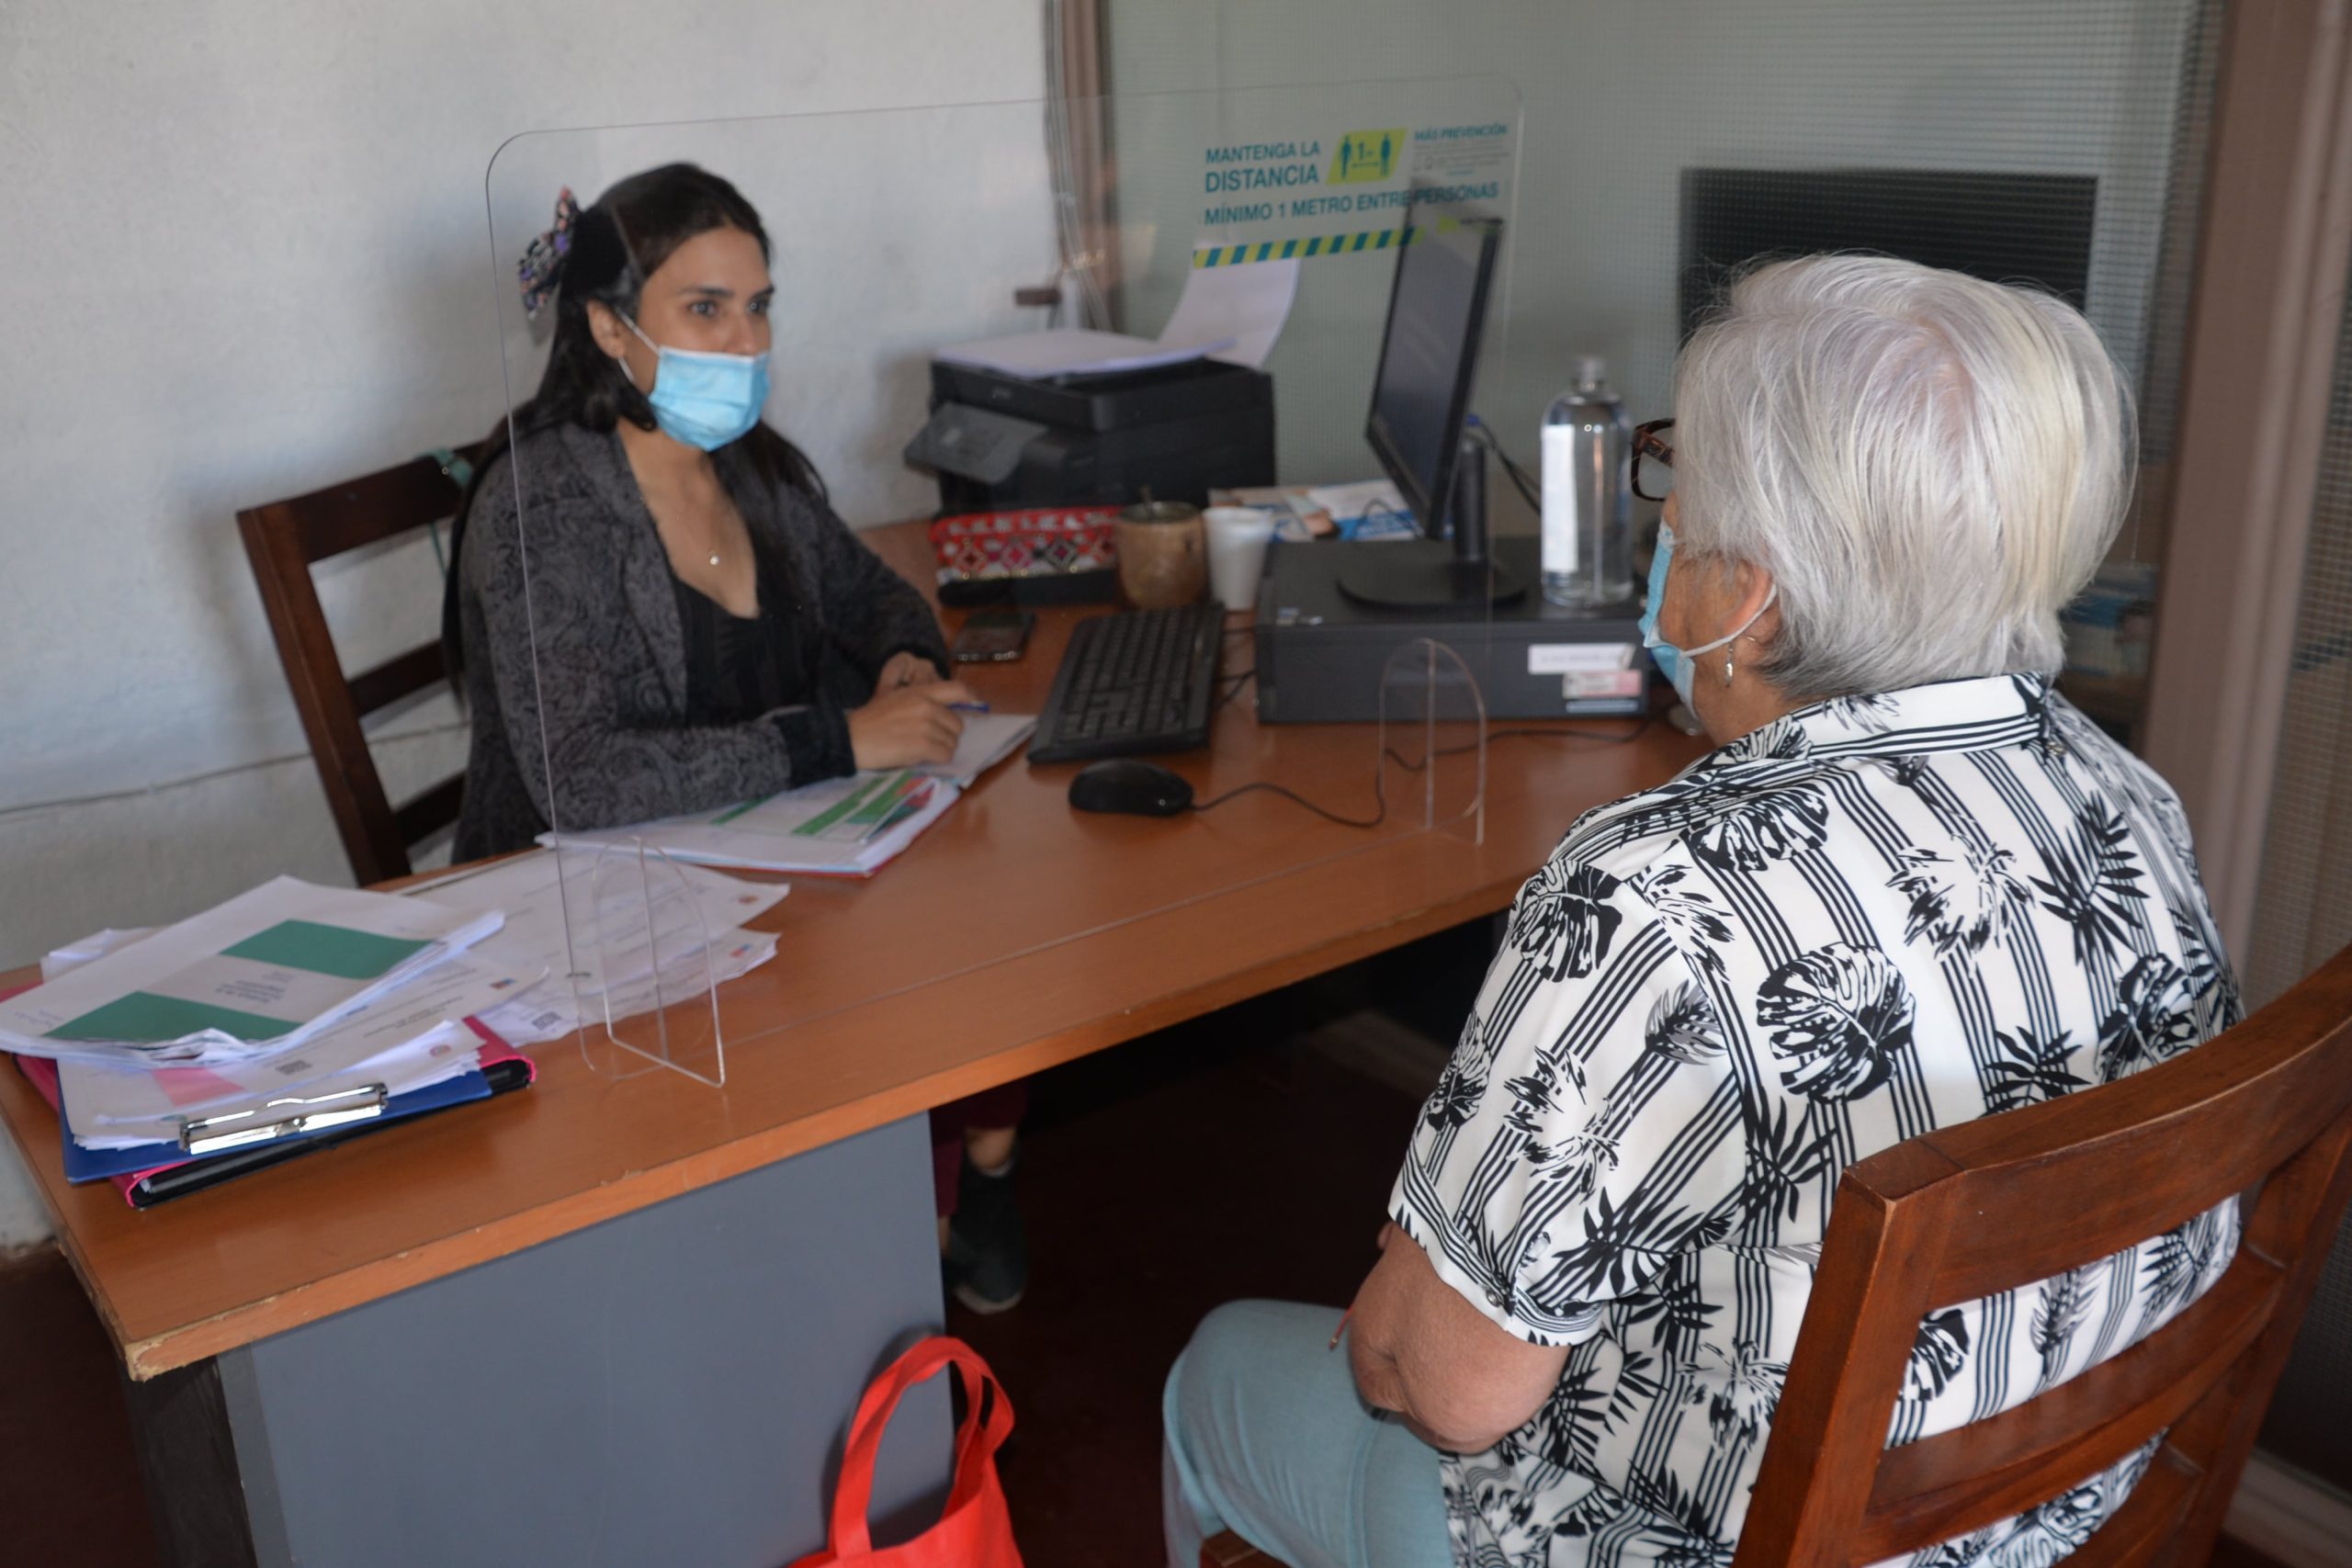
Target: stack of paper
column 1073, row 351
column 163, row 1048
column 295, row 1008
column 848, row 827
column 988, row 739
column 260, row 975
column 619, row 936
column 404, row 1042
column 1233, row 313
column 1368, row 509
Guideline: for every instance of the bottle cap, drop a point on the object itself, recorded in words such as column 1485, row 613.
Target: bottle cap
column 1591, row 370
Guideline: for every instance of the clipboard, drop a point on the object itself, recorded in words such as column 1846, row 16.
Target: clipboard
column 144, row 1190
column 143, row 1183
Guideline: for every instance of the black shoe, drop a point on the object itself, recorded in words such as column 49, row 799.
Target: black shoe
column 987, row 1260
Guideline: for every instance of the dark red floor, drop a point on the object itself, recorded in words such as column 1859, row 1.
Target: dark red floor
column 69, row 1490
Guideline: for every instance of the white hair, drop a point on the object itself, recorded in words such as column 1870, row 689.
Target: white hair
column 1930, row 466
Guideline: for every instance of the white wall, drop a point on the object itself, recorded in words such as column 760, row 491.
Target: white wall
column 245, row 253
column 1619, row 98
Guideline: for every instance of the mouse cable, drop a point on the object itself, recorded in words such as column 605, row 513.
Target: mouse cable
column 1640, row 727
column 1379, row 795
column 1379, row 784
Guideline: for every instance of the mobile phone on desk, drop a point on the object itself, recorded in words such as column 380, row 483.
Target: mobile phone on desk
column 992, row 636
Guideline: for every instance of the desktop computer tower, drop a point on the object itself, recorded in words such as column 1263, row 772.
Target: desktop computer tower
column 1322, row 656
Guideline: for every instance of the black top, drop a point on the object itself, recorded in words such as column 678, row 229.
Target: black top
column 741, row 666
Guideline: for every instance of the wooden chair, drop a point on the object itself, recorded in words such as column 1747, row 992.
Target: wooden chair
column 1994, row 1204
column 283, row 540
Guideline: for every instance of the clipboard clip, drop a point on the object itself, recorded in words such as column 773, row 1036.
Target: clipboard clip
column 315, row 1114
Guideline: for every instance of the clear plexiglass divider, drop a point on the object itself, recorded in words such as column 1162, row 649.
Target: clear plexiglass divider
column 1257, row 237
column 656, row 1004
column 1433, row 741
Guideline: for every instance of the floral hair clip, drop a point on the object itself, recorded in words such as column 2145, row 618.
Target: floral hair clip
column 541, row 268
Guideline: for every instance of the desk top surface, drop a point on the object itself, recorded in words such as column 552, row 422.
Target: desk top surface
column 1015, row 935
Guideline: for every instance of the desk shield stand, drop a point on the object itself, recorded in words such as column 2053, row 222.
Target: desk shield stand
column 1432, row 761
column 644, row 965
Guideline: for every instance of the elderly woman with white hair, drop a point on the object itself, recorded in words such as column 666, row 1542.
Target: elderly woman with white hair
column 1912, row 887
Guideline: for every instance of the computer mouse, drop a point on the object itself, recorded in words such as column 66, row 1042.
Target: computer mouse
column 1132, row 785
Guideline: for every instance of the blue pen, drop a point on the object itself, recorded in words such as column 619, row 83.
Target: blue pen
column 968, row 707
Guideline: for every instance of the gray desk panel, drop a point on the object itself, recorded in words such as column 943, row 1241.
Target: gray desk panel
column 668, row 1387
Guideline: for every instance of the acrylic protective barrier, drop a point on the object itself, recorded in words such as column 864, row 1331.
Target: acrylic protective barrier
column 893, row 236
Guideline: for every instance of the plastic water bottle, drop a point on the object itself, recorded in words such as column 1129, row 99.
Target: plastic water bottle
column 1587, row 493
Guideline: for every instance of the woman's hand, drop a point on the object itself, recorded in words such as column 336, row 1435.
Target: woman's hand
column 905, row 670
column 906, row 725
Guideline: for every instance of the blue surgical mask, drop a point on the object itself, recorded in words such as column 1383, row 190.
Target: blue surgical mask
column 1676, row 662
column 704, row 400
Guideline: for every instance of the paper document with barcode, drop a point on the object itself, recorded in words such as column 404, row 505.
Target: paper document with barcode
column 259, row 974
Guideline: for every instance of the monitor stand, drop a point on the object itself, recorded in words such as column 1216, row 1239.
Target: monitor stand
column 1427, row 574
column 1418, row 575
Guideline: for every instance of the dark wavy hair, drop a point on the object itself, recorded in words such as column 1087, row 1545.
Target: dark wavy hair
column 616, row 245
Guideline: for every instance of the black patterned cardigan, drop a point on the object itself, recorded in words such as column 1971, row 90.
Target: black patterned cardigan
column 580, row 677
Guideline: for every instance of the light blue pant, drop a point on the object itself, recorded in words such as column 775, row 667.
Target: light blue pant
column 1266, row 1437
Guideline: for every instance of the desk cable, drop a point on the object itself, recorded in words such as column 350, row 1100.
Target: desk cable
column 1517, row 475
column 1390, row 754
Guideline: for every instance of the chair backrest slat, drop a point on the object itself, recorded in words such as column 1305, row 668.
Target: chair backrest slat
column 1942, row 1487
column 2149, row 1522
column 283, row 540
column 2157, row 1147
column 2002, row 1202
column 431, row 810
column 368, row 509
column 403, row 675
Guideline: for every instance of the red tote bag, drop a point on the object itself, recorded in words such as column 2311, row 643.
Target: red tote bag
column 975, row 1532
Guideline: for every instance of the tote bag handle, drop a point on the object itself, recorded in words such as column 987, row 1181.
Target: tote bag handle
column 975, row 1511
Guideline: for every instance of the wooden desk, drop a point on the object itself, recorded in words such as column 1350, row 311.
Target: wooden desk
column 1014, row 935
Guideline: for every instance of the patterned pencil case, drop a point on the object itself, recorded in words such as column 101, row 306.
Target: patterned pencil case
column 1040, row 555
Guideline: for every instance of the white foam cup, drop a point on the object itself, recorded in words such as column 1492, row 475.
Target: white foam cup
column 1237, row 537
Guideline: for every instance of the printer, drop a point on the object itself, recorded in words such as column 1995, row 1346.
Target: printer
column 1000, row 442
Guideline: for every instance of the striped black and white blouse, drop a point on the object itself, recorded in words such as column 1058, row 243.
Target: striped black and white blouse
column 1874, row 916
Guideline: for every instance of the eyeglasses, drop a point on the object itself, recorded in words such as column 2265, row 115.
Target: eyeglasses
column 1649, row 443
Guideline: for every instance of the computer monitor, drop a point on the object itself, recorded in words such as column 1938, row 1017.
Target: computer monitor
column 1420, row 395
column 2004, row 227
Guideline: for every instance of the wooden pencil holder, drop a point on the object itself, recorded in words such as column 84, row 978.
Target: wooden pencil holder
column 1163, row 555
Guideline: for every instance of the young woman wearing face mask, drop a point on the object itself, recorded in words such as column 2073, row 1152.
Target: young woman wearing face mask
column 697, row 626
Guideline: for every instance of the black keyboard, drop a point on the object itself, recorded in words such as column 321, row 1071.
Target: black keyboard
column 1132, row 682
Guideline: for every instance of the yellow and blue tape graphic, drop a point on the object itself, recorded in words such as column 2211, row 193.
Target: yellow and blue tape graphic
column 1313, row 246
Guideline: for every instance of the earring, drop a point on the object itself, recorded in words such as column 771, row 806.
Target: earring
column 1727, row 667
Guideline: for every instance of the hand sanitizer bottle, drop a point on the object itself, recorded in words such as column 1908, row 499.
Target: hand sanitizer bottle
column 1587, row 493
